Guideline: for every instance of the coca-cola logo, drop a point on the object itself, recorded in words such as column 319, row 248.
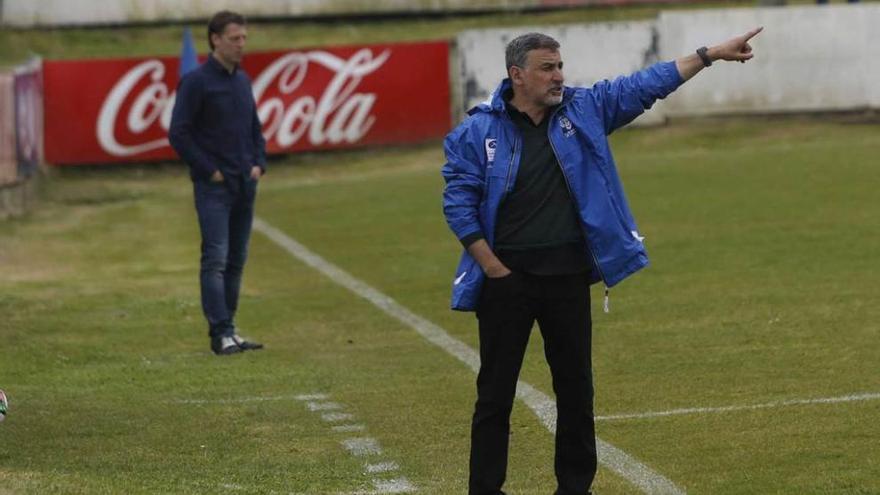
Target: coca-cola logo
column 340, row 114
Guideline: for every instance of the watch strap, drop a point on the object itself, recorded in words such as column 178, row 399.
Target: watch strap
column 704, row 56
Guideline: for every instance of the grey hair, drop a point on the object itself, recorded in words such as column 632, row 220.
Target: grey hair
column 519, row 48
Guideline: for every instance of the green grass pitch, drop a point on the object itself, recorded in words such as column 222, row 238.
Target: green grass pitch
column 763, row 236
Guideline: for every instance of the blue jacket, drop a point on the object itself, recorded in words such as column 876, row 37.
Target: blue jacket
column 214, row 124
column 482, row 159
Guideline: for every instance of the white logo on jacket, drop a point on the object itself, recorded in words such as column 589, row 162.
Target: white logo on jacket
column 491, row 144
column 567, row 126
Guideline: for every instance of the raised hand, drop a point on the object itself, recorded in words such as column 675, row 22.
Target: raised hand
column 735, row 49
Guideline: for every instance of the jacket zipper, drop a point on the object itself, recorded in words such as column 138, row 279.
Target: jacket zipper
column 510, row 166
column 512, row 157
column 606, row 305
column 509, row 172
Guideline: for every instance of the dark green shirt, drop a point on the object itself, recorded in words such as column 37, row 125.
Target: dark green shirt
column 538, row 229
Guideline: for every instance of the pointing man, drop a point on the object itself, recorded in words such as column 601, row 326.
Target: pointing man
column 532, row 193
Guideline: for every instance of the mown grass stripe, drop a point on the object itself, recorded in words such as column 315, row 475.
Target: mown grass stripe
column 647, row 480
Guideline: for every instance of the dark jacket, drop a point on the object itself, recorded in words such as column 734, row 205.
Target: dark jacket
column 214, row 125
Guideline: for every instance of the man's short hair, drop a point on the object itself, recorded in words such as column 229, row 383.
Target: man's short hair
column 218, row 23
column 518, row 49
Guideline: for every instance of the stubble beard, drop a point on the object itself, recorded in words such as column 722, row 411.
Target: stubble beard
column 553, row 100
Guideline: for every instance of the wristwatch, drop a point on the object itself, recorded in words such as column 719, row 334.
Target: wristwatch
column 701, row 51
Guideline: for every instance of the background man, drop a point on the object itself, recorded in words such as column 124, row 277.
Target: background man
column 216, row 131
column 532, row 193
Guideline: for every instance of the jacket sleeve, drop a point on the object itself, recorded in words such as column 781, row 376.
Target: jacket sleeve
column 627, row 97
column 259, row 140
column 465, row 182
column 181, row 133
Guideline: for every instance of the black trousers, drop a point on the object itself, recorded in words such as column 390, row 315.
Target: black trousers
column 507, row 310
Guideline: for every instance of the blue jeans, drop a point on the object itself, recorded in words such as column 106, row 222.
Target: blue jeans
column 226, row 212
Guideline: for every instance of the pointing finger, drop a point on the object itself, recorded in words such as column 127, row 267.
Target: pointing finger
column 751, row 34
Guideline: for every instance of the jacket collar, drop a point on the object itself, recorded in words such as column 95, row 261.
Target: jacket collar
column 216, row 66
column 495, row 102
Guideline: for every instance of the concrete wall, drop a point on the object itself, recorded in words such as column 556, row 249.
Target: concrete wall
column 873, row 63
column 27, row 13
column 91, row 12
column 590, row 53
column 19, row 198
column 810, row 58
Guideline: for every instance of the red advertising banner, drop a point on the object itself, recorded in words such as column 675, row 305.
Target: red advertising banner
column 110, row 111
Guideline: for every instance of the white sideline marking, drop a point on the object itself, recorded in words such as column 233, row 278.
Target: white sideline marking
column 333, row 417
column 348, row 428
column 751, row 407
column 309, row 397
column 323, row 406
column 362, row 447
column 230, row 401
column 381, row 467
column 609, row 417
column 358, row 446
column 399, row 485
column 543, row 406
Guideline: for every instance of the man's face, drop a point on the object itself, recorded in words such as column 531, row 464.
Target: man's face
column 540, row 81
column 229, row 45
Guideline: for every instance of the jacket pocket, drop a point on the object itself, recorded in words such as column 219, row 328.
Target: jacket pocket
column 466, row 284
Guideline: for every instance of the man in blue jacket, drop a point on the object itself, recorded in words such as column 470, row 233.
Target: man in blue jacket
column 533, row 194
column 216, row 131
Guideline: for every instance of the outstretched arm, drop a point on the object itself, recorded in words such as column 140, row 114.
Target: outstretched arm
column 734, row 49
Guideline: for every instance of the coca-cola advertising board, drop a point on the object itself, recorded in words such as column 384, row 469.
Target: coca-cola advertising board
column 111, row 111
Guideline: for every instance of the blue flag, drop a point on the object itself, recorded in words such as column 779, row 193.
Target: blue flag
column 188, row 58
